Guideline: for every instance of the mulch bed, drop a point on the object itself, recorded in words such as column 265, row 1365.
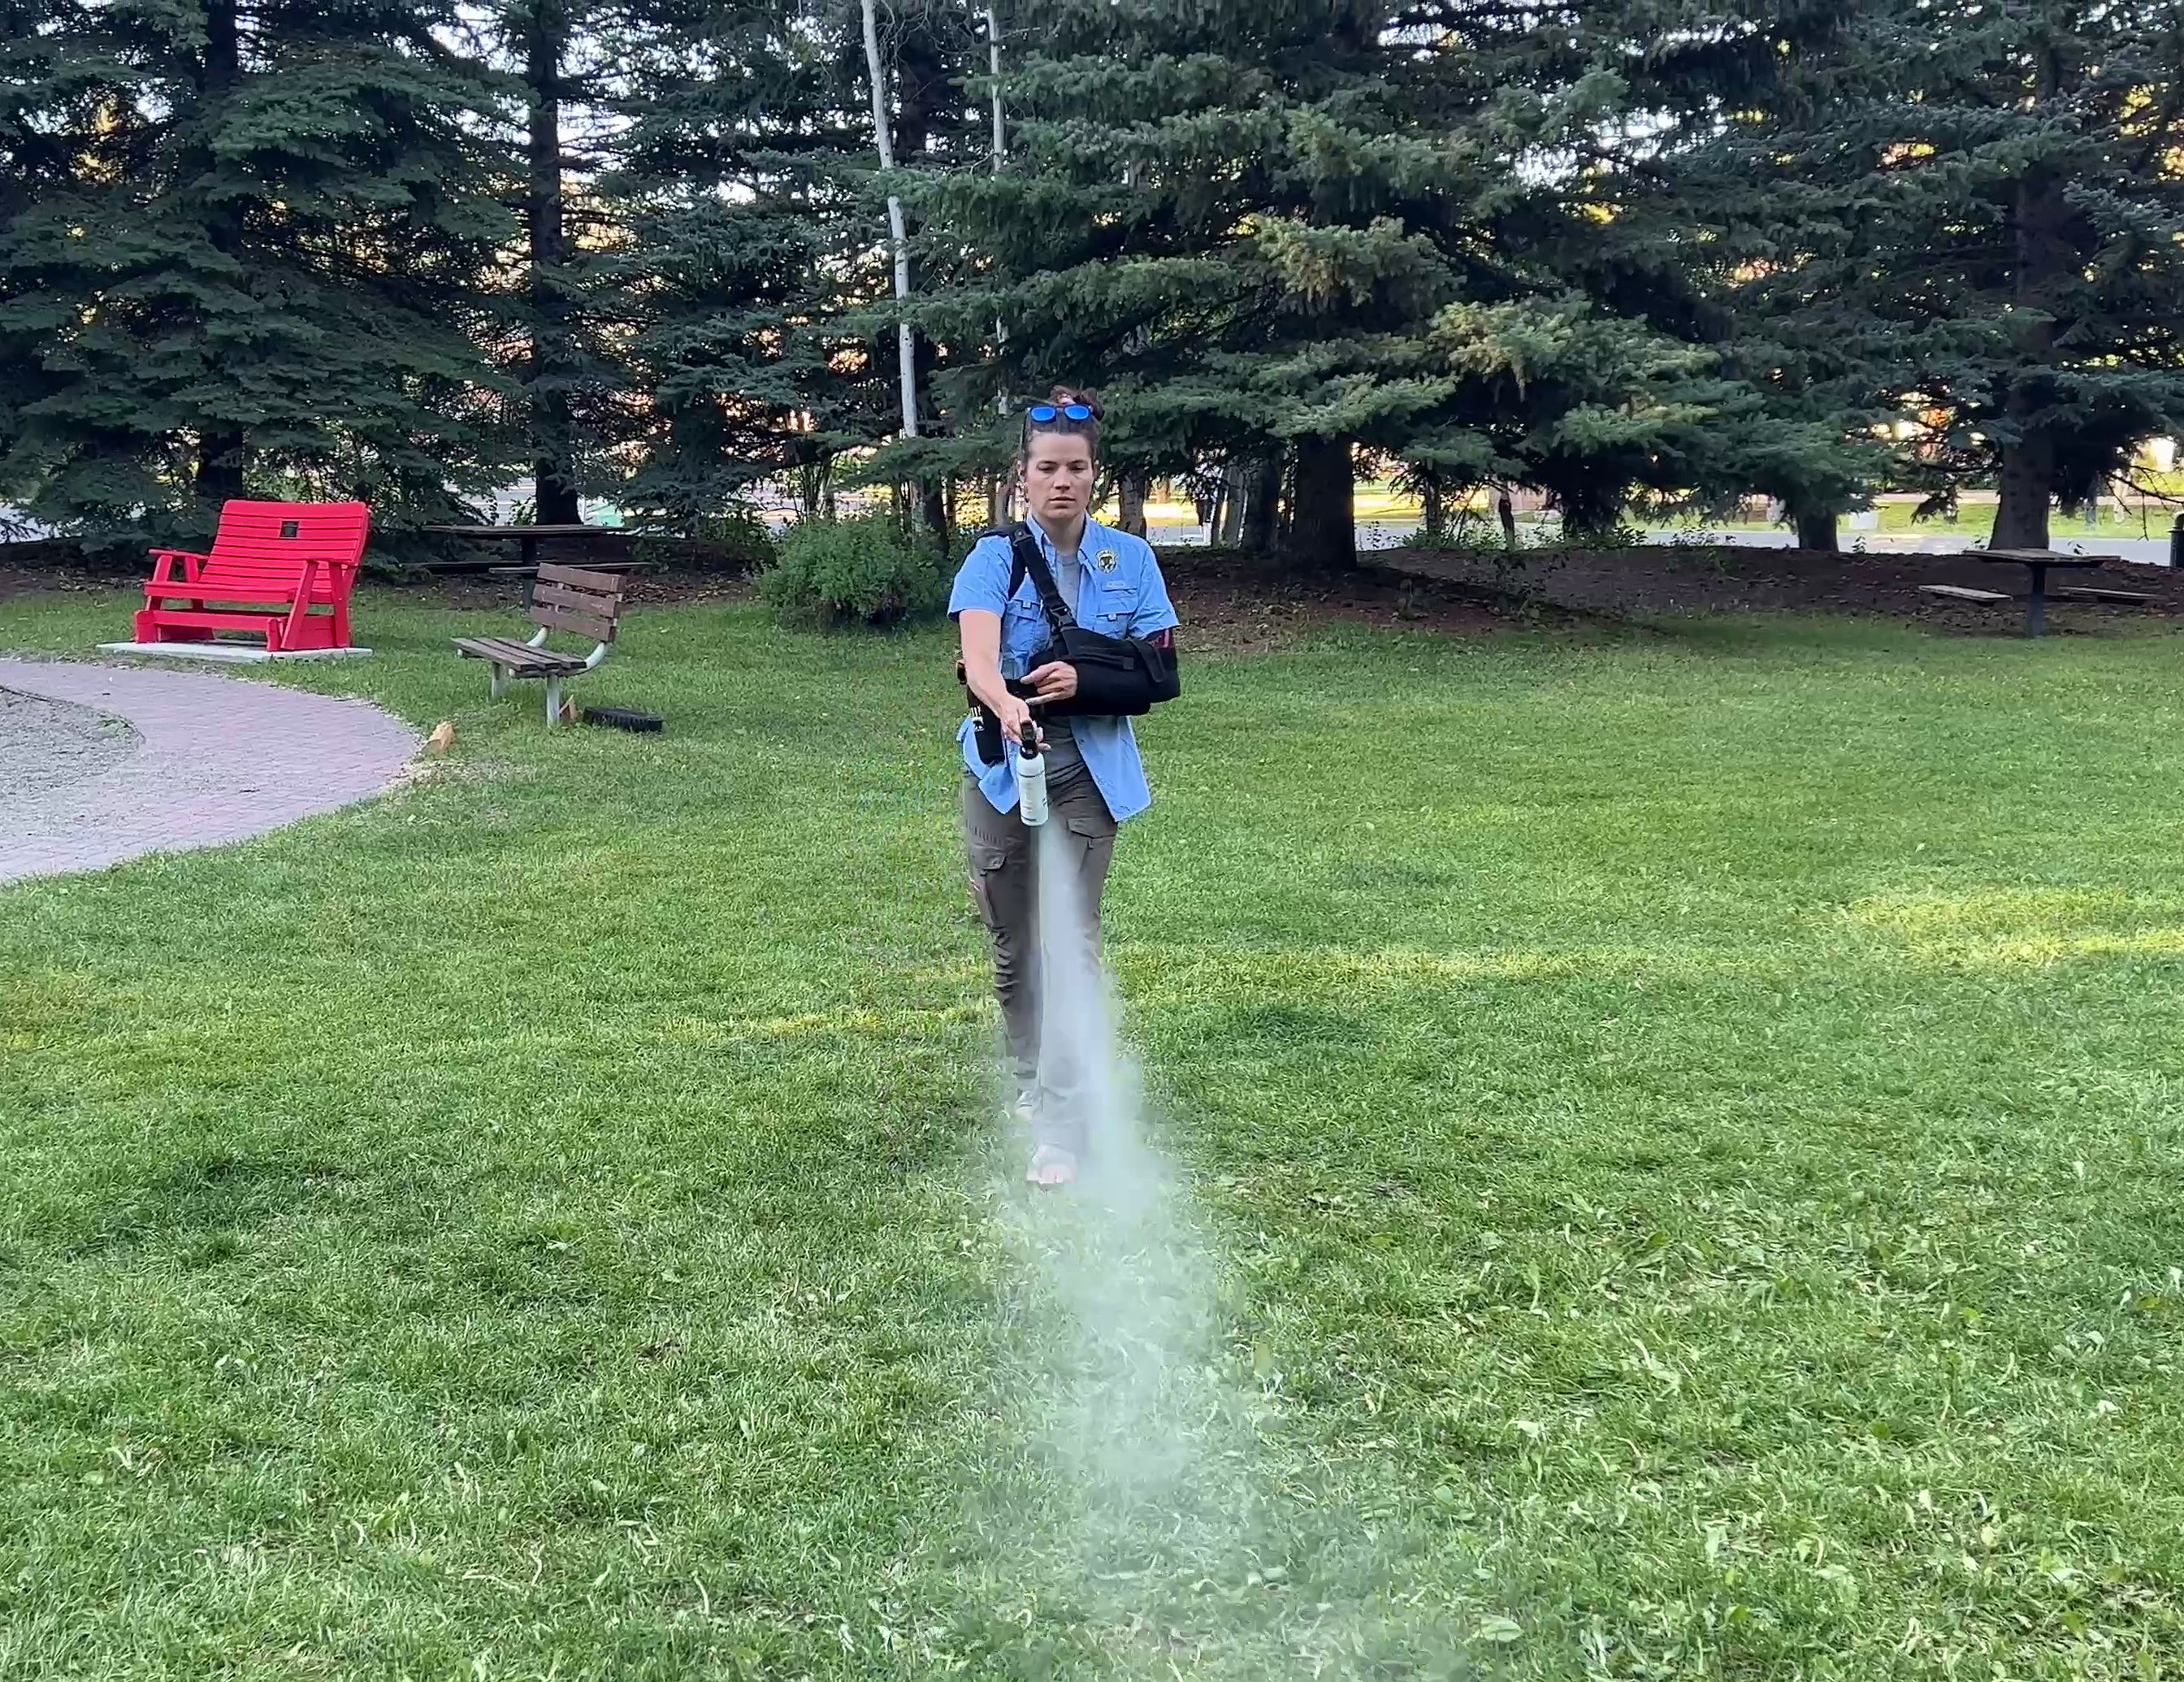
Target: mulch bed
column 1640, row 584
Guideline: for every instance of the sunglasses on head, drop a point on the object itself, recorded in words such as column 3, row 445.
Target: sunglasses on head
column 1044, row 413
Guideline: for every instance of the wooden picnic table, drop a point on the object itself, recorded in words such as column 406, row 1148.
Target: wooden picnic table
column 2038, row 562
column 526, row 537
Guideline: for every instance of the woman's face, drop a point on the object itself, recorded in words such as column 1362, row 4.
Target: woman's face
column 1057, row 477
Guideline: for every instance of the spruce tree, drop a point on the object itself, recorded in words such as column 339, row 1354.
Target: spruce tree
column 247, row 256
column 757, row 281
column 1331, row 230
column 1967, row 216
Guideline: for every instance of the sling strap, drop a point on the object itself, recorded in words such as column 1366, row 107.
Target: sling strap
column 1030, row 558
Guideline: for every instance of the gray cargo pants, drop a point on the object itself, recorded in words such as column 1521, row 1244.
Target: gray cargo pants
column 1004, row 858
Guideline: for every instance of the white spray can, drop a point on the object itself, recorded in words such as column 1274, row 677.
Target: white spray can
column 1031, row 778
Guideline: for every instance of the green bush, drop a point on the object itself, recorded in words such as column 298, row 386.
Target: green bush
column 736, row 541
column 865, row 571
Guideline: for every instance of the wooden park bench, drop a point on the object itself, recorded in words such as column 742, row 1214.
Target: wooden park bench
column 2087, row 592
column 571, row 599
column 279, row 570
column 1963, row 593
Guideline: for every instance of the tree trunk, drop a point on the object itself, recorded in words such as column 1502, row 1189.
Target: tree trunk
column 218, row 475
column 932, row 501
column 1506, row 507
column 1817, row 530
column 1131, row 492
column 812, row 479
column 218, row 472
column 1323, row 526
column 935, row 504
column 898, row 232
column 1232, row 494
column 1436, row 516
column 1592, row 508
column 2041, row 226
column 1262, row 505
column 2028, row 471
column 553, row 456
column 997, row 499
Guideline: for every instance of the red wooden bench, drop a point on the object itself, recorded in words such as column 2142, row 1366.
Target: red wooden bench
column 281, row 570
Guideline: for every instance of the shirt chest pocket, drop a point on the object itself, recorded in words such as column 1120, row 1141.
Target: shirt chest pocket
column 1023, row 634
column 1109, row 612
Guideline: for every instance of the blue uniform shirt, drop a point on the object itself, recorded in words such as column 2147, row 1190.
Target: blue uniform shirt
column 1122, row 594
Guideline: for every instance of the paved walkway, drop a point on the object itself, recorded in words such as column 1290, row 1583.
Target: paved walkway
column 220, row 760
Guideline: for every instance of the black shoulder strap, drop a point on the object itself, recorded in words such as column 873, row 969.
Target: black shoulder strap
column 1030, row 560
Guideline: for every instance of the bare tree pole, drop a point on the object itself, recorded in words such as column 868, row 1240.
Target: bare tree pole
column 904, row 345
column 998, row 504
column 994, row 60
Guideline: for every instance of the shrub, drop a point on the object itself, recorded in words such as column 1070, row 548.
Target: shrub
column 736, row 541
column 865, row 571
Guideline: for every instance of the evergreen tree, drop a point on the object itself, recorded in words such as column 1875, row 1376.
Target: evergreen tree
column 759, row 279
column 1328, row 228
column 562, row 350
column 744, row 251
column 33, row 161
column 1971, row 215
column 245, row 252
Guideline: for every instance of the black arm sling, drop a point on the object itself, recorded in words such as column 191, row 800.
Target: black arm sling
column 1117, row 677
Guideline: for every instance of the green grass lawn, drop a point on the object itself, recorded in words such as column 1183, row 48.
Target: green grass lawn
column 1686, row 1127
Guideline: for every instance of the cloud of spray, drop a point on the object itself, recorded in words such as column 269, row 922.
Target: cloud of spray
column 1128, row 1272
column 1190, row 1557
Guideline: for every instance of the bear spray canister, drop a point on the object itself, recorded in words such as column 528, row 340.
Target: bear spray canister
column 1031, row 778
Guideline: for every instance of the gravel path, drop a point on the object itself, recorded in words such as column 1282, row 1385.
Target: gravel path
column 202, row 760
column 45, row 745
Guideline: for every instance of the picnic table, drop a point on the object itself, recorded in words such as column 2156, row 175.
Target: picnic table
column 2037, row 563
column 526, row 537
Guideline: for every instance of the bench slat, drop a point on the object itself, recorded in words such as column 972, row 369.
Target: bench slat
column 605, row 583
column 237, row 589
column 580, row 624
column 578, row 601
column 217, row 617
column 1963, row 593
column 521, row 660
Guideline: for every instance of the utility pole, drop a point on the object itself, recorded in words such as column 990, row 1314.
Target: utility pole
column 904, row 345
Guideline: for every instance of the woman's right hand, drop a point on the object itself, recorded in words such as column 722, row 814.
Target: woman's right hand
column 1017, row 721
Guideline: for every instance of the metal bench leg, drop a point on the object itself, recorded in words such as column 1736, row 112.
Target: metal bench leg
column 500, row 682
column 2036, row 612
column 553, row 701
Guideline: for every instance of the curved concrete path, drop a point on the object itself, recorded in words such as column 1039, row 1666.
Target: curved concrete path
column 220, row 760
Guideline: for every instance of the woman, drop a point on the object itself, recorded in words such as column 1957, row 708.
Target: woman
column 1095, row 780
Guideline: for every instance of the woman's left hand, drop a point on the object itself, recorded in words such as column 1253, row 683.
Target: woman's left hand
column 1055, row 681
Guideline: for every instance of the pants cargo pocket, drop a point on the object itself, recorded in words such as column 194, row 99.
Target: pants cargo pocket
column 986, row 864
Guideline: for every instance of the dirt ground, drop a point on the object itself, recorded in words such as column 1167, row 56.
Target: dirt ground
column 1644, row 583
column 1232, row 602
